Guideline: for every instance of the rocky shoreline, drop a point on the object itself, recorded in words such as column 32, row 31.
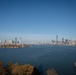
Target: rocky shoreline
column 14, row 46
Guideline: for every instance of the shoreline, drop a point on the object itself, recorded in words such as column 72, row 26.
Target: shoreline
column 14, row 46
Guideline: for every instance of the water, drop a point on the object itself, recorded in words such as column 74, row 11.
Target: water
column 61, row 58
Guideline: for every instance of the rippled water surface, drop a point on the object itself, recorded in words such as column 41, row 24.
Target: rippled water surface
column 60, row 58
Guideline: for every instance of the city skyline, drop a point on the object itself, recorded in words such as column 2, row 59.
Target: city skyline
column 55, row 41
column 37, row 19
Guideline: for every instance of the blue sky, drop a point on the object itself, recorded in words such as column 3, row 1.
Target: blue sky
column 37, row 19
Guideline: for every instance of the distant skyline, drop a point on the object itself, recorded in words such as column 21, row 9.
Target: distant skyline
column 37, row 19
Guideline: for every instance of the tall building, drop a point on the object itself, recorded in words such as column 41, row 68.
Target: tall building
column 0, row 42
column 56, row 39
column 20, row 40
column 15, row 40
column 75, row 43
column 66, row 41
column 62, row 40
column 5, row 42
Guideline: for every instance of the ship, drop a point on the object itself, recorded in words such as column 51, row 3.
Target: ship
column 75, row 64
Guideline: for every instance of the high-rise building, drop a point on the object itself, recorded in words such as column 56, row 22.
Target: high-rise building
column 75, row 43
column 66, row 41
column 62, row 40
column 15, row 40
column 0, row 42
column 21, row 40
column 5, row 42
column 56, row 39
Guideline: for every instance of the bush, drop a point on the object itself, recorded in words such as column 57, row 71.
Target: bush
column 51, row 72
column 17, row 69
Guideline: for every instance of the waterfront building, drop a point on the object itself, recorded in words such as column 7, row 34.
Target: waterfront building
column 0, row 41
column 57, row 39
column 62, row 40
column 75, row 43
column 66, row 41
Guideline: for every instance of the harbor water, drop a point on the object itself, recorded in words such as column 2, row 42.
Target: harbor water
column 43, row 57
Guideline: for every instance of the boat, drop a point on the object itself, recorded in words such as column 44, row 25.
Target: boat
column 75, row 64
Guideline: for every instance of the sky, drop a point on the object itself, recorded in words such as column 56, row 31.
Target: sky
column 37, row 19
